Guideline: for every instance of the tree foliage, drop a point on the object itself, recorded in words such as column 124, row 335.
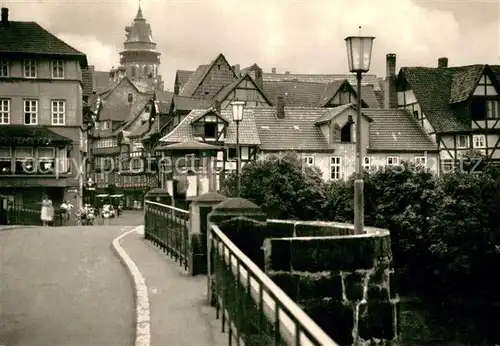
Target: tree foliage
column 282, row 186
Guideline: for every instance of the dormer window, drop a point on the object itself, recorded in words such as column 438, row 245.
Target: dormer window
column 209, row 127
column 206, row 130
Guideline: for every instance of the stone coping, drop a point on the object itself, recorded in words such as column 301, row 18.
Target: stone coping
column 369, row 231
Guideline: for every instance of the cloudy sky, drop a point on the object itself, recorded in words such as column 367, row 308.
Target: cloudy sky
column 304, row 36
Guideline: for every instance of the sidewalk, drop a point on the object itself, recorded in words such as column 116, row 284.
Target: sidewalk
column 180, row 314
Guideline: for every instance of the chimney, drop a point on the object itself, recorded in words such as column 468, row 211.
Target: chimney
column 443, row 62
column 273, row 70
column 5, row 16
column 287, row 73
column 280, row 107
column 237, row 70
column 390, row 93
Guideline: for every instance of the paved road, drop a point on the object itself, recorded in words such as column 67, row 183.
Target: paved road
column 64, row 286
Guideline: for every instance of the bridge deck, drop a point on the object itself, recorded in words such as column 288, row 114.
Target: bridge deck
column 65, row 286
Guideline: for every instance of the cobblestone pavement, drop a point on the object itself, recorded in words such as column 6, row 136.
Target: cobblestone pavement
column 64, row 286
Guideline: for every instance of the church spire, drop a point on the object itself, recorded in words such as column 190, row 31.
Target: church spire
column 139, row 15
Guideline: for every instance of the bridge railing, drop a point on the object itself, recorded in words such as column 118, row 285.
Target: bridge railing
column 168, row 228
column 255, row 309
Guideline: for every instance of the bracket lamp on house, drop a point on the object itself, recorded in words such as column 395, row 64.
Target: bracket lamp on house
column 359, row 54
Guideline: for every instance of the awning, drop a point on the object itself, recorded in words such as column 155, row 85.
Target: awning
column 30, row 135
column 116, row 196
column 102, row 195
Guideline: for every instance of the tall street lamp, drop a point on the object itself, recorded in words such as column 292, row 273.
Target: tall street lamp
column 359, row 53
column 237, row 117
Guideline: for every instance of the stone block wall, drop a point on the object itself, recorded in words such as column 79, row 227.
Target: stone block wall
column 344, row 283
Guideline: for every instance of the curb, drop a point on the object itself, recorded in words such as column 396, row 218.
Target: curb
column 142, row 320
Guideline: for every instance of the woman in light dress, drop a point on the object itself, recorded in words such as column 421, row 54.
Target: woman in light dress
column 47, row 212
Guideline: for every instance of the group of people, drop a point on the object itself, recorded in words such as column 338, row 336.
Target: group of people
column 47, row 211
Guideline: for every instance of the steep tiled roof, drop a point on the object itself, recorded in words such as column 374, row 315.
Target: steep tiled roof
column 295, row 132
column 432, row 88
column 165, row 99
column 368, row 79
column 183, row 77
column 194, row 81
column 296, row 94
column 379, row 95
column 369, row 96
column 183, row 103
column 31, row 38
column 464, row 82
column 248, row 132
column 122, row 111
column 88, row 80
column 307, row 94
column 397, row 130
column 102, row 83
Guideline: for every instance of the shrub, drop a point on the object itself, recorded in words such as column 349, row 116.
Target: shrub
column 282, row 186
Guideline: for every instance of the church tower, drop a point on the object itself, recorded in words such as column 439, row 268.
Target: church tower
column 140, row 61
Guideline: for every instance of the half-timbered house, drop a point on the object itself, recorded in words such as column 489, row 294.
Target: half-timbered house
column 458, row 107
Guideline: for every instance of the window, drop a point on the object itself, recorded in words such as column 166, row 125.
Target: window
column 58, row 113
column 493, row 109
column 479, row 141
column 392, row 161
column 4, row 68
column 30, row 112
column 415, row 114
column 478, row 109
column 30, row 68
column 308, row 160
column 105, row 125
column 24, row 163
column 232, row 153
column 58, row 69
column 46, row 160
column 447, row 165
column 421, row 161
column 462, row 141
column 335, row 168
column 346, row 132
column 130, row 98
column 4, row 111
column 5, row 160
column 62, row 161
column 367, row 163
column 210, row 130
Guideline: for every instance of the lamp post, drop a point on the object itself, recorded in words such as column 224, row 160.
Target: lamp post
column 359, row 52
column 237, row 117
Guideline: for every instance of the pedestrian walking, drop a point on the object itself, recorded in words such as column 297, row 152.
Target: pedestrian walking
column 47, row 212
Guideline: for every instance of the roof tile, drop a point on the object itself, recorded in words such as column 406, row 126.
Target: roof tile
column 295, row 132
column 397, row 130
column 368, row 79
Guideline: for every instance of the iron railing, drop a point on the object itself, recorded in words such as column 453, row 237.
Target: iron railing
column 168, row 227
column 256, row 311
column 21, row 215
